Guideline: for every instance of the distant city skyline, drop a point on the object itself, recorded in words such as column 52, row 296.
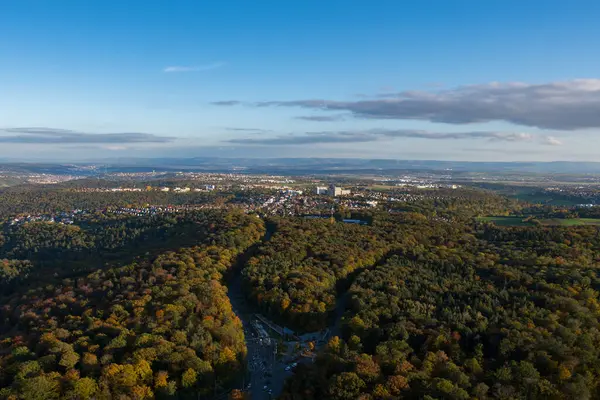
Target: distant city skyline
column 447, row 80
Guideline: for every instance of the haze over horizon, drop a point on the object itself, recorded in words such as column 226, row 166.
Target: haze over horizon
column 460, row 80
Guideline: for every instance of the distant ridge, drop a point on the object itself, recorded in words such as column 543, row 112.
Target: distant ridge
column 357, row 163
column 308, row 165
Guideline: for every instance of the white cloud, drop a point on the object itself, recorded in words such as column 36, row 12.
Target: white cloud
column 116, row 148
column 194, row 68
column 552, row 141
column 373, row 135
column 44, row 135
column 570, row 105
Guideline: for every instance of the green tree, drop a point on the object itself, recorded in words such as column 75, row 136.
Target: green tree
column 40, row 388
column 85, row 388
column 189, row 378
column 345, row 386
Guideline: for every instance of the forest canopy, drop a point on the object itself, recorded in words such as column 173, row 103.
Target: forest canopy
column 427, row 300
column 497, row 313
column 156, row 327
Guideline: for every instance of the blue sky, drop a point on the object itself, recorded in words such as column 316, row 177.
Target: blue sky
column 451, row 80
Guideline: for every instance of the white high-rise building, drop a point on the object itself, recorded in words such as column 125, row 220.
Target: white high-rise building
column 337, row 191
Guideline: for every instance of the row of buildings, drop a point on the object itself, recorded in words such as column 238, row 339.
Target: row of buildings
column 202, row 188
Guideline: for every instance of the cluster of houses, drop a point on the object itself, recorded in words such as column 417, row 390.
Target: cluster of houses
column 202, row 188
column 65, row 218
column 153, row 210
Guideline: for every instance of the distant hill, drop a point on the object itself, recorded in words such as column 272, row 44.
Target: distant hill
column 349, row 164
column 300, row 166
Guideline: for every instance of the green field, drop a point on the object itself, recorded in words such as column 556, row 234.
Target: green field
column 571, row 221
column 518, row 221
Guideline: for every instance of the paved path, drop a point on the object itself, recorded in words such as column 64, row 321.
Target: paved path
column 261, row 361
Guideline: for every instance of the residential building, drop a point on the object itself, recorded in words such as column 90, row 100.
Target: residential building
column 337, row 191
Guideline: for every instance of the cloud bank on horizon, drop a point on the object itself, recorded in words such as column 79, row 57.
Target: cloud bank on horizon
column 385, row 134
column 43, row 135
column 542, row 115
column 552, row 108
column 569, row 105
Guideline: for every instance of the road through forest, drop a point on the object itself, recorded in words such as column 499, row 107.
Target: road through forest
column 260, row 358
column 263, row 368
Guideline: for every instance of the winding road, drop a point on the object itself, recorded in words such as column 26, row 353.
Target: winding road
column 263, row 368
